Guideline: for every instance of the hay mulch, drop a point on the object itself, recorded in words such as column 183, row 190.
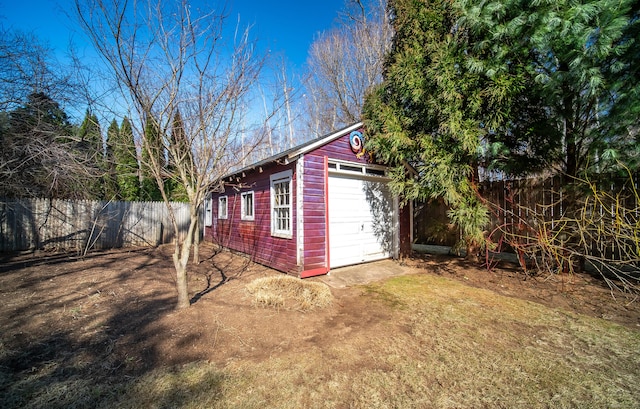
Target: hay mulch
column 290, row 293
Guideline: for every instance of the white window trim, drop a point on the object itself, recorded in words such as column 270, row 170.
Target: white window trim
column 243, row 211
column 354, row 168
column 226, row 207
column 208, row 211
column 279, row 178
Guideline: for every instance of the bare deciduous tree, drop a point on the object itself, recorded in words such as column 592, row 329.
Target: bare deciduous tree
column 344, row 63
column 170, row 58
column 40, row 155
column 27, row 67
column 280, row 113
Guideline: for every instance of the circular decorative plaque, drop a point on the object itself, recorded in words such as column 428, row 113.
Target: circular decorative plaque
column 356, row 140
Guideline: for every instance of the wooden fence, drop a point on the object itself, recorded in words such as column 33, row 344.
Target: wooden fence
column 513, row 203
column 593, row 219
column 30, row 224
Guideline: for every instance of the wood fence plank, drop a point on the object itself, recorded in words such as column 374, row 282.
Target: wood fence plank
column 29, row 224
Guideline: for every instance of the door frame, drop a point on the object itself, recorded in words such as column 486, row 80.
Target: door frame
column 361, row 172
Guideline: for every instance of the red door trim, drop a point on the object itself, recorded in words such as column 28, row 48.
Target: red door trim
column 326, row 213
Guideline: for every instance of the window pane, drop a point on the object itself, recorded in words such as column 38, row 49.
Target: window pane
column 246, row 202
column 222, row 207
column 282, row 218
column 249, row 205
column 281, row 191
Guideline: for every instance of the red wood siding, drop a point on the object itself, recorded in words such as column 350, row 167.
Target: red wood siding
column 253, row 237
column 340, row 149
column 314, row 214
column 314, row 203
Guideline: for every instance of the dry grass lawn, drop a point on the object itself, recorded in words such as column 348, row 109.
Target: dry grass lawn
column 416, row 341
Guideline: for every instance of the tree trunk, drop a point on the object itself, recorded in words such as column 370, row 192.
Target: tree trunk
column 181, row 259
column 196, row 242
column 472, row 253
column 570, row 145
column 181, row 283
column 572, row 153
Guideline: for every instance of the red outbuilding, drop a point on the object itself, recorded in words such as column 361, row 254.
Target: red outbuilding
column 318, row 206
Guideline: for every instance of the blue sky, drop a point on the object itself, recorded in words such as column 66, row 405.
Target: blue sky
column 287, row 26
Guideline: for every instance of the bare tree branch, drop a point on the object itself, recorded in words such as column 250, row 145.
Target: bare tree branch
column 170, row 59
column 344, row 63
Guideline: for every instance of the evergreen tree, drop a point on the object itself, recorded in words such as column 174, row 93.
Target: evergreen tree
column 577, row 68
column 39, row 156
column 152, row 161
column 179, row 153
column 110, row 183
column 90, row 136
column 91, row 147
column 42, row 115
column 126, row 160
column 522, row 86
column 424, row 118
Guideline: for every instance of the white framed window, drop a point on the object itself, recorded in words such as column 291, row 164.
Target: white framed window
column 357, row 168
column 208, row 211
column 247, row 211
column 223, row 207
column 281, row 205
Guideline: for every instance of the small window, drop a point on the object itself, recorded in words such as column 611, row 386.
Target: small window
column 281, row 209
column 349, row 168
column 247, row 206
column 208, row 211
column 374, row 171
column 222, row 207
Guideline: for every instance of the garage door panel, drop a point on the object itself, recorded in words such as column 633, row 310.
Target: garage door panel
column 361, row 220
column 345, row 228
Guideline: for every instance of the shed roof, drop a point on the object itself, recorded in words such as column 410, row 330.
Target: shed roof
column 292, row 154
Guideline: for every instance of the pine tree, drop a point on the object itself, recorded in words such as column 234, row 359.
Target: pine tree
column 424, row 118
column 152, row 161
column 578, row 69
column 623, row 75
column 527, row 87
column 90, row 136
column 91, row 147
column 179, row 153
column 126, row 160
column 38, row 154
column 110, row 183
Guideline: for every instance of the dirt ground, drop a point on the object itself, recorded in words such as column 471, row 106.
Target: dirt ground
column 113, row 312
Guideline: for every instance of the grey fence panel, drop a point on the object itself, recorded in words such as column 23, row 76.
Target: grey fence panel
column 29, row 224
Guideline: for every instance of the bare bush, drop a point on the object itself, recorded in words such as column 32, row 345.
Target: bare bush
column 596, row 229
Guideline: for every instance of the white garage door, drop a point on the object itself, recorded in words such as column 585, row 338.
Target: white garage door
column 360, row 220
